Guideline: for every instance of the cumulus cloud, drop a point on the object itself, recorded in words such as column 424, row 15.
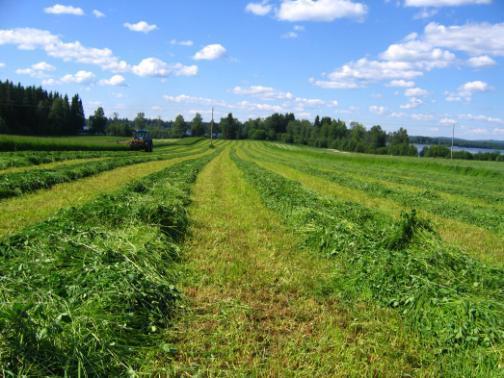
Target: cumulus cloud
column 447, row 121
column 443, row 3
column 376, row 109
column 418, row 54
column 415, row 92
column 155, row 67
column 319, row 10
column 29, row 39
column 114, row 81
column 80, row 77
column 481, row 61
column 481, row 117
column 413, row 103
column 259, row 9
column 37, row 70
column 474, row 39
column 262, row 92
column 64, row 9
column 187, row 42
column 141, row 27
column 210, row 52
column 401, row 83
column 98, row 14
column 466, row 91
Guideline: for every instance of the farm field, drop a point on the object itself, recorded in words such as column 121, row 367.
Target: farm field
column 249, row 259
column 90, row 143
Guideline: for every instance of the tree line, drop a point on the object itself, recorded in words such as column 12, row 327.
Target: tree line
column 34, row 111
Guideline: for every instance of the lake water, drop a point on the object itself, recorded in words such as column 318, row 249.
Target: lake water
column 472, row 150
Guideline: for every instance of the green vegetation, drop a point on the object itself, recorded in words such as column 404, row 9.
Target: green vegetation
column 452, row 301
column 280, row 258
column 57, row 318
column 78, row 143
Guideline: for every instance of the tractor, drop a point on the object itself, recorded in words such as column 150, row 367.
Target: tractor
column 141, row 141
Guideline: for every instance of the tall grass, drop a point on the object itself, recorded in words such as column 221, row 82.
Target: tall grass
column 452, row 301
column 89, row 292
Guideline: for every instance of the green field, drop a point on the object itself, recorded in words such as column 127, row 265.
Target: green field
column 74, row 143
column 248, row 259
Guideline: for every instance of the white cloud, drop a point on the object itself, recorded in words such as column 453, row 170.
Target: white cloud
column 447, row 121
column 413, row 103
column 360, row 73
column 186, row 43
column 481, row 117
column 418, row 54
column 140, row 26
column 37, row 70
column 28, row 38
column 116, row 80
column 415, row 92
column 425, row 13
column 474, row 39
column 155, row 67
column 376, row 109
column 443, row 3
column 80, row 77
column 98, row 14
column 259, row 9
column 320, row 10
column 422, row 117
column 481, row 61
column 262, row 92
column 466, row 91
column 401, row 83
column 210, row 52
column 64, row 9
column 2, row 65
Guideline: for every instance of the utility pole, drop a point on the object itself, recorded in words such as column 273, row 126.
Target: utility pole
column 453, row 138
column 211, row 130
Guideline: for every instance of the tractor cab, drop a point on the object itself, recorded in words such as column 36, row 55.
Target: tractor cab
column 141, row 140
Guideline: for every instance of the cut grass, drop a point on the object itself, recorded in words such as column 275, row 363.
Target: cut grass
column 255, row 303
column 22, row 211
column 88, row 292
column 479, row 242
column 454, row 303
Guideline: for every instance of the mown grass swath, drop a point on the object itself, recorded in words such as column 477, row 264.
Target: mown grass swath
column 14, row 184
column 423, row 198
column 88, row 292
column 452, row 301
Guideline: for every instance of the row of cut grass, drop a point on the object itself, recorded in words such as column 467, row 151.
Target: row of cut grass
column 89, row 292
column 19, row 212
column 487, row 189
column 255, row 306
column 478, row 242
column 467, row 211
column 17, row 183
column 452, row 301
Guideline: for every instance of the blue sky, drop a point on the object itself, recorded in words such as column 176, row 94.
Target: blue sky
column 420, row 64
